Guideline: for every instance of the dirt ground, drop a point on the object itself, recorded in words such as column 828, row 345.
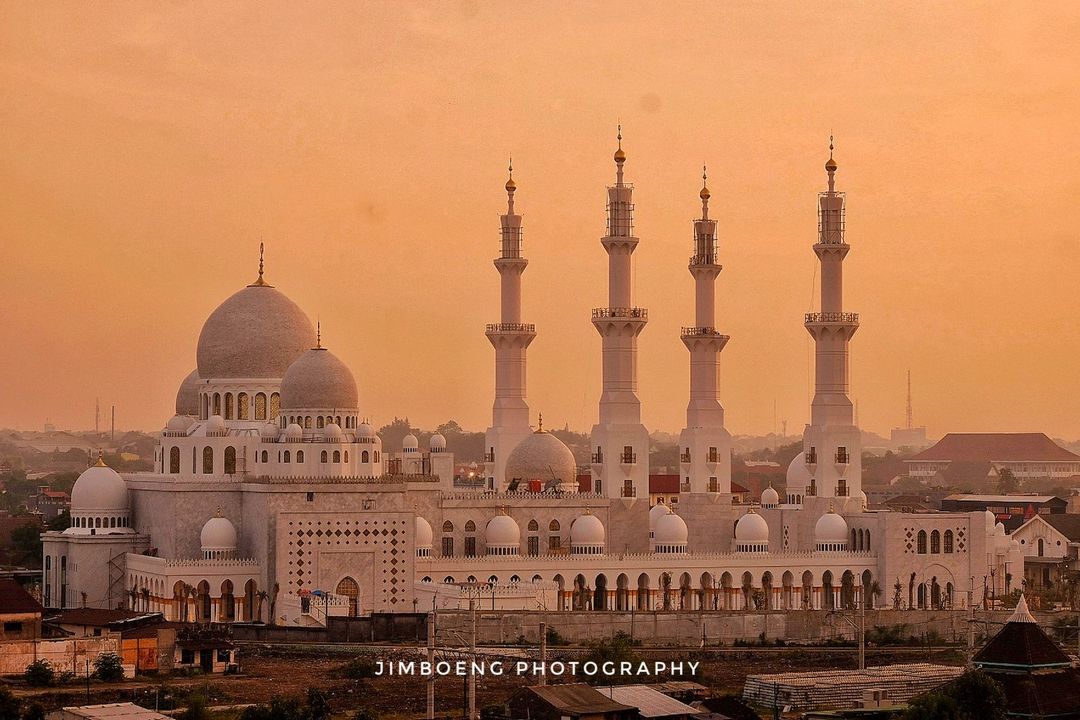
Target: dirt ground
column 267, row 672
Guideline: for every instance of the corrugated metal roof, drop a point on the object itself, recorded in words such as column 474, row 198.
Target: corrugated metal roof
column 127, row 711
column 650, row 703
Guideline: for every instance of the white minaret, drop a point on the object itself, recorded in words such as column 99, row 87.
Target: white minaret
column 704, row 444
column 831, row 440
column 510, row 338
column 620, row 462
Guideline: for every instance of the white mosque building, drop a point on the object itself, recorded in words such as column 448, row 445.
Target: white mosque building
column 272, row 498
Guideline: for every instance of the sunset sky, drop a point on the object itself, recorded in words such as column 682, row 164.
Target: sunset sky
column 146, row 148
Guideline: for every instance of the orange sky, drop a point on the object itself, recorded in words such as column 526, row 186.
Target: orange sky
column 146, row 148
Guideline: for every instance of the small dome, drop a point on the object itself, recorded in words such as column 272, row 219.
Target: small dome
column 179, row 423
column 218, row 535
column 269, row 431
column 620, row 156
column 587, row 530
column 364, row 430
column 511, row 185
column 751, row 529
column 831, row 165
column 670, row 529
column 99, row 490
column 215, row 424
column 658, row 511
column 333, row 431
column 318, row 379
column 863, row 499
column 294, row 433
column 424, row 535
column 798, row 476
column 769, row 497
column 704, row 194
column 437, row 442
column 410, row 443
column 991, row 520
column 502, row 530
column 187, row 397
column 255, row 333
column 831, row 528
column 999, row 529
column 544, row 457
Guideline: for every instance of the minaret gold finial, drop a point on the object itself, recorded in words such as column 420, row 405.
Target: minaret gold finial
column 620, row 156
column 318, row 334
column 218, row 513
column 511, row 186
column 260, row 282
column 831, row 165
column 540, row 423
column 704, row 194
column 100, row 459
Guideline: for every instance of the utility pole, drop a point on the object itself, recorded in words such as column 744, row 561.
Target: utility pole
column 97, row 415
column 862, row 635
column 431, row 661
column 473, row 715
column 543, row 654
column 971, row 622
column 112, row 432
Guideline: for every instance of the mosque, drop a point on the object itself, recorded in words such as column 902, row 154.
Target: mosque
column 273, row 499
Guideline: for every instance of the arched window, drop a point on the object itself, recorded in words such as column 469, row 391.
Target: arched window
column 868, row 541
column 217, row 403
column 260, row 406
column 322, row 456
column 275, row 404
column 346, row 456
column 534, row 526
column 375, row 456
column 228, row 406
column 299, row 456
column 554, row 526
column 230, row 460
column 922, row 542
column 243, row 412
column 470, row 527
column 265, row 457
column 448, row 527
column 307, row 423
column 1042, row 547
column 227, row 610
column 174, row 460
column 364, row 457
column 948, row 541
column 319, row 422
column 205, row 407
column 350, row 589
column 288, row 456
column 337, row 456
column 208, row 460
column 935, row 542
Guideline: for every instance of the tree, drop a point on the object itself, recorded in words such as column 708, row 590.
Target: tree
column 33, row 711
column 39, row 673
column 61, row 522
column 318, row 704
column 9, row 704
column 108, row 667
column 618, row 649
column 27, row 539
column 972, row 696
column 196, row 709
column 1007, row 482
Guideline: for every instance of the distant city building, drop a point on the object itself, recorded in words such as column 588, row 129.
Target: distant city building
column 1049, row 544
column 49, row 503
column 1012, row 510
column 981, row 457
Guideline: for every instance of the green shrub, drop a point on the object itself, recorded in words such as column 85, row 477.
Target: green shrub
column 40, row 674
column 108, row 667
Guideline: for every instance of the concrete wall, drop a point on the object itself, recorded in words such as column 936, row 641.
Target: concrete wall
column 68, row 655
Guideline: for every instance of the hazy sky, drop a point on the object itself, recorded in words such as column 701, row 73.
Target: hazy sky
column 145, row 149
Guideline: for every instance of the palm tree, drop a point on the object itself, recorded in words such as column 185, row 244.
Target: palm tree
column 875, row 593
column 260, row 597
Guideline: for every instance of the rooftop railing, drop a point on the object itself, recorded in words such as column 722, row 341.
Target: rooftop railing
column 510, row 327
column 620, row 312
column 823, row 317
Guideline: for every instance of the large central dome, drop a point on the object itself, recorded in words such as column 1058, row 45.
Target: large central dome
column 256, row 333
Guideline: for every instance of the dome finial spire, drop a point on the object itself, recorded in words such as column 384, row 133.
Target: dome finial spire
column 318, row 334
column 540, row 423
column 100, row 458
column 260, row 281
column 511, row 186
column 830, row 165
column 620, row 158
column 704, row 194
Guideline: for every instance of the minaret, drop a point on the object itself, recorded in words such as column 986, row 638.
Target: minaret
column 831, row 440
column 510, row 338
column 705, row 445
column 620, row 462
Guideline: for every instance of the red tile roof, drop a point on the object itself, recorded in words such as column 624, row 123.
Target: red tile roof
column 15, row 600
column 987, row 447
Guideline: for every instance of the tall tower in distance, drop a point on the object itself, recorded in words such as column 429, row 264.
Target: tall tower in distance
column 704, row 444
column 620, row 457
column 832, row 441
column 909, row 436
column 510, row 337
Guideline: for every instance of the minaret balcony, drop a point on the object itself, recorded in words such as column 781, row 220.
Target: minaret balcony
column 706, row 260
column 846, row 318
column 710, row 332
column 495, row 328
column 620, row 313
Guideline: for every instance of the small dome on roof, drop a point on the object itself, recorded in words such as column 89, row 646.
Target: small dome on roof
column 187, row 397
column 179, row 423
column 294, row 433
column 424, row 535
column 218, row 535
column 410, row 443
column 318, row 379
column 99, row 490
column 751, row 529
column 587, row 531
column 364, row 430
column 215, row 423
column 831, row 529
column 333, row 431
column 670, row 529
column 502, row 531
column 437, row 442
column 269, row 431
column 769, row 497
column 544, row 457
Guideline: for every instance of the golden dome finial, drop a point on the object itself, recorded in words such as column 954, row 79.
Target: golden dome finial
column 100, row 459
column 218, row 514
column 511, row 186
column 260, row 282
column 831, row 164
column 540, row 423
column 318, row 334
column 704, row 194
column 620, row 156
